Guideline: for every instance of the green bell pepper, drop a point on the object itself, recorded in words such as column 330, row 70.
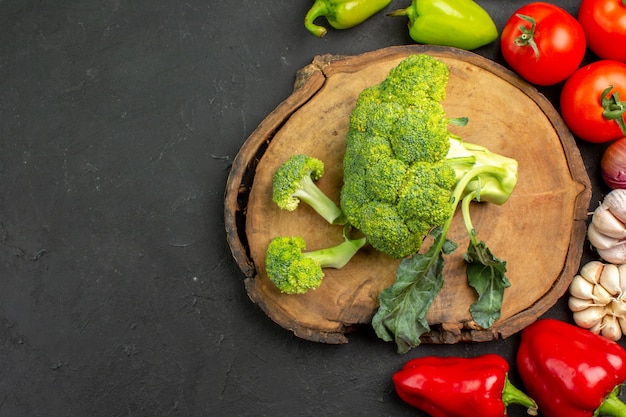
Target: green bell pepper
column 341, row 14
column 458, row 23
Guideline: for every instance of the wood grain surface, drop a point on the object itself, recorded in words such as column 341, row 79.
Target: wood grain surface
column 539, row 231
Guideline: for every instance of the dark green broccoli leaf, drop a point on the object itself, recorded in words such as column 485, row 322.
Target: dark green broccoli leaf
column 401, row 316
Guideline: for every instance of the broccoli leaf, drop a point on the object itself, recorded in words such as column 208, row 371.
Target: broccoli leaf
column 486, row 274
column 401, row 316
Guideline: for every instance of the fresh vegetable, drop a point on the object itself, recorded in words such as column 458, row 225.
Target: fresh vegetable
column 597, row 299
column 591, row 103
column 293, row 182
column 613, row 164
column 404, row 176
column 571, row 372
column 607, row 232
column 341, row 14
column 459, row 23
column 543, row 43
column 453, row 386
column 295, row 271
column 402, row 165
column 604, row 23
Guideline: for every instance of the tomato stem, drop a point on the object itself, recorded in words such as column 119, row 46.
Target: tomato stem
column 527, row 38
column 614, row 109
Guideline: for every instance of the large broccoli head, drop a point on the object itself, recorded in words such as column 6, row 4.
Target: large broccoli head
column 396, row 187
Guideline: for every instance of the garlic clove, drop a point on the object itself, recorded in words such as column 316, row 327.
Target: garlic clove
column 592, row 271
column 590, row 317
column 581, row 288
column 622, row 278
column 578, row 304
column 611, row 328
column 601, row 295
column 606, row 223
column 600, row 240
column 596, row 328
column 614, row 255
column 618, row 306
column 616, row 203
column 610, row 280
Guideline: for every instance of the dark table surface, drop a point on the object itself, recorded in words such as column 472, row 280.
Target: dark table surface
column 118, row 292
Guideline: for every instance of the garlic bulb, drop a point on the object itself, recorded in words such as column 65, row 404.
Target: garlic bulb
column 607, row 230
column 598, row 299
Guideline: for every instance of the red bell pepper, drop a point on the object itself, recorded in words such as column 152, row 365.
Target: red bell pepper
column 570, row 371
column 457, row 387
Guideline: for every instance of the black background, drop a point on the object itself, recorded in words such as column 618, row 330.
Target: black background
column 118, row 292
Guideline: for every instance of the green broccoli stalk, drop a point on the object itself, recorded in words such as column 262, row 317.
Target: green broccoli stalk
column 295, row 271
column 486, row 273
column 495, row 184
column 293, row 182
column 405, row 175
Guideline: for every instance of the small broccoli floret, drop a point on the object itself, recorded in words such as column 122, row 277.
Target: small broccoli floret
column 295, row 271
column 294, row 182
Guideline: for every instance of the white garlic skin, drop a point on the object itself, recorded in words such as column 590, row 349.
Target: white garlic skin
column 611, row 328
column 592, row 271
column 607, row 223
column 614, row 255
column 581, row 288
column 590, row 318
column 607, row 230
column 598, row 299
column 609, row 280
column 600, row 240
column 616, row 203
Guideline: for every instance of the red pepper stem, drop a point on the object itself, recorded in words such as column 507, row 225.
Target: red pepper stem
column 612, row 405
column 513, row 395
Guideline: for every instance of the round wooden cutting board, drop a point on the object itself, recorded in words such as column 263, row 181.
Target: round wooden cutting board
column 539, row 231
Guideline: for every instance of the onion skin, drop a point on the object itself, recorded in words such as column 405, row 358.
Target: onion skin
column 613, row 164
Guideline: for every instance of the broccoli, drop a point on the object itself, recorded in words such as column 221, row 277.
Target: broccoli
column 405, row 175
column 402, row 165
column 293, row 182
column 295, row 271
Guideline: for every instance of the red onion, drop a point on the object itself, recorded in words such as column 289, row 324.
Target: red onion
column 613, row 164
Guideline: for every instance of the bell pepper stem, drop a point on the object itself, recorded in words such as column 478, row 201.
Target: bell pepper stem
column 513, row 395
column 402, row 12
column 612, row 405
column 319, row 8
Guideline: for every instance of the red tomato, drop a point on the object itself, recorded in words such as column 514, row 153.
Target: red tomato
column 604, row 23
column 559, row 39
column 581, row 101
